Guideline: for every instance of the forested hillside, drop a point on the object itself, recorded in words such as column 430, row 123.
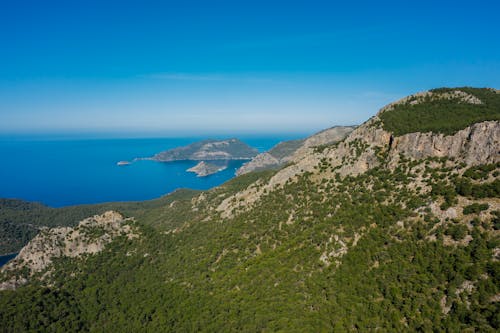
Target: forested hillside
column 369, row 234
column 444, row 110
column 20, row 221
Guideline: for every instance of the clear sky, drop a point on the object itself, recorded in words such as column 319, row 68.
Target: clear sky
column 170, row 68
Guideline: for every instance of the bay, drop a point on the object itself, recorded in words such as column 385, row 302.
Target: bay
column 6, row 258
column 84, row 171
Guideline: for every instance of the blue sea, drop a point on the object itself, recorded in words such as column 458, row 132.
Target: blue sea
column 6, row 258
column 83, row 171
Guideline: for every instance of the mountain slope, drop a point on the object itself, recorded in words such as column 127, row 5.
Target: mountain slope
column 445, row 110
column 90, row 236
column 285, row 152
column 21, row 221
column 371, row 144
column 376, row 232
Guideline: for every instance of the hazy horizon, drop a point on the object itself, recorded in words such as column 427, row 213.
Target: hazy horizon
column 242, row 68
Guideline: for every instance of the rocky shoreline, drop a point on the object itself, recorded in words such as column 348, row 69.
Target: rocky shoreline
column 204, row 169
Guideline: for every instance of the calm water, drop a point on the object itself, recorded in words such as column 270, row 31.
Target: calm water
column 68, row 172
column 5, row 259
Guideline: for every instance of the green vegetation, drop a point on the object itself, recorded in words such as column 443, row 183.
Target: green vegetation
column 20, row 221
column 475, row 208
column 466, row 188
column 286, row 148
column 496, row 219
column 51, row 309
column 442, row 115
column 257, row 273
column 457, row 231
column 208, row 150
column 325, row 252
column 449, row 194
column 481, row 171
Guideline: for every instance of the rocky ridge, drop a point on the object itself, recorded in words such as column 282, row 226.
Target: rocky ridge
column 288, row 151
column 89, row 237
column 362, row 149
column 421, row 97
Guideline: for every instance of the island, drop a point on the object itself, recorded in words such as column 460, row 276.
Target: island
column 204, row 169
column 208, row 150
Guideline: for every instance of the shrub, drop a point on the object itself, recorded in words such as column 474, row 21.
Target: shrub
column 457, row 231
column 475, row 208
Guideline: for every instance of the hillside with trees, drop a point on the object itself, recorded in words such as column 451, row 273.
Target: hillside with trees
column 444, row 110
column 361, row 235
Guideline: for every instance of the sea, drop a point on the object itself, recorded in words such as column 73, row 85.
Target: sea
column 63, row 172
column 6, row 258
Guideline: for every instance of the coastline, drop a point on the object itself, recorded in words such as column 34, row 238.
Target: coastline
column 5, row 258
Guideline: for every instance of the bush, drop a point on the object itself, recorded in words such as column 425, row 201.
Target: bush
column 457, row 231
column 496, row 219
column 466, row 188
column 480, row 171
column 475, row 208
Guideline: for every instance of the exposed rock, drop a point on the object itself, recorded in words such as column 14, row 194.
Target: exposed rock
column 450, row 213
column 476, row 144
column 260, row 162
column 359, row 152
column 335, row 248
column 89, row 237
column 325, row 137
column 287, row 151
column 203, row 169
column 466, row 286
column 445, row 309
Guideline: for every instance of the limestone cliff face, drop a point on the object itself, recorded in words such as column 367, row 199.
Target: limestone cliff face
column 476, row 144
column 89, row 237
column 325, row 137
column 290, row 151
column 362, row 149
column 260, row 162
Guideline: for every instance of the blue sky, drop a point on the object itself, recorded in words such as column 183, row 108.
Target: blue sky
column 175, row 68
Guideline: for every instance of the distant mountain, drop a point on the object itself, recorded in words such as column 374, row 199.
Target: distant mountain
column 208, row 150
column 284, row 152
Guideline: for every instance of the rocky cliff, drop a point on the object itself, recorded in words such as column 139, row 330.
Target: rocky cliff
column 89, row 237
column 365, row 146
column 287, row 151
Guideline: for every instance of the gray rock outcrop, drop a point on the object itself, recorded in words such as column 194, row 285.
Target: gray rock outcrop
column 89, row 237
column 359, row 152
column 287, row 151
column 204, row 169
